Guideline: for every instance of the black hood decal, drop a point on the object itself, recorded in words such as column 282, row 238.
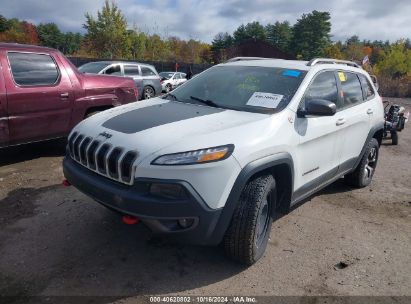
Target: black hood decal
column 156, row 115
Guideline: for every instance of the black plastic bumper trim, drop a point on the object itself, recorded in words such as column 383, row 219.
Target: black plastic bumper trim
column 132, row 201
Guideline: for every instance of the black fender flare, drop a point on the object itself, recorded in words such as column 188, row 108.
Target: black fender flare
column 373, row 131
column 246, row 173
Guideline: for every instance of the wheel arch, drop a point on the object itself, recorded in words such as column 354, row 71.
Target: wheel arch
column 378, row 135
column 375, row 132
column 279, row 165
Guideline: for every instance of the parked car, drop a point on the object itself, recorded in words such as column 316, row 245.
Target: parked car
column 232, row 149
column 171, row 80
column 145, row 76
column 42, row 94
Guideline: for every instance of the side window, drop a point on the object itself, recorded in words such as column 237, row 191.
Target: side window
column 145, row 71
column 351, row 88
column 177, row 76
column 131, row 70
column 29, row 69
column 113, row 70
column 324, row 86
column 367, row 88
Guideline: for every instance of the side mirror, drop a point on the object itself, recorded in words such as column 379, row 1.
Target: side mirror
column 318, row 107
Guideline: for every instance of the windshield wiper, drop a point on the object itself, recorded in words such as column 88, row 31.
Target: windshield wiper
column 206, row 102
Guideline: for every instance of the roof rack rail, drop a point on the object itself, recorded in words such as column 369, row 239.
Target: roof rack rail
column 332, row 61
column 246, row 58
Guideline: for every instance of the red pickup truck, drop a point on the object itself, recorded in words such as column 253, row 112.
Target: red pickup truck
column 43, row 95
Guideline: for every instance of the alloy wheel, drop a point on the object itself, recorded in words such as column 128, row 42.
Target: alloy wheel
column 371, row 164
column 148, row 93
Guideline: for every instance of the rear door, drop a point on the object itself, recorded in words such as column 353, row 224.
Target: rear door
column 318, row 151
column 113, row 69
column 176, row 79
column 355, row 118
column 39, row 94
column 133, row 71
column 4, row 119
column 183, row 78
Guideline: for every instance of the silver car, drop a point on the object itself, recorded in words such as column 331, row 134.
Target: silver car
column 145, row 76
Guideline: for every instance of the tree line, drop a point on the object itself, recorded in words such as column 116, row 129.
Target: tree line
column 109, row 36
column 310, row 37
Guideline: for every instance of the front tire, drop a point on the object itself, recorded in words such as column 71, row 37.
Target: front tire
column 362, row 175
column 247, row 236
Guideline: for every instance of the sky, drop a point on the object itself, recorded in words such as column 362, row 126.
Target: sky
column 203, row 19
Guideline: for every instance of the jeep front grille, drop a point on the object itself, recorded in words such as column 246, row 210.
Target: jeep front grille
column 113, row 162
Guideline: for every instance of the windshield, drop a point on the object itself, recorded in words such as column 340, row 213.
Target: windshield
column 166, row 75
column 245, row 88
column 93, row 67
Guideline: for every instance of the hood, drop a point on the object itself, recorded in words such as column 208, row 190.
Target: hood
column 158, row 124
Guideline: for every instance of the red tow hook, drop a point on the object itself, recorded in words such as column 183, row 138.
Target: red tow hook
column 66, row 183
column 129, row 220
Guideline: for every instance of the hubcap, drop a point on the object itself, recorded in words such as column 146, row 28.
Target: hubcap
column 370, row 165
column 263, row 220
column 168, row 88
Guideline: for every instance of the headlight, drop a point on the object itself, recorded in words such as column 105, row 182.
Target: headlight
column 195, row 157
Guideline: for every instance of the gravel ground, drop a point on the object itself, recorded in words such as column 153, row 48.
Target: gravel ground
column 55, row 241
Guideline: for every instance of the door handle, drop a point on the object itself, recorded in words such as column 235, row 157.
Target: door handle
column 370, row 111
column 64, row 95
column 340, row 121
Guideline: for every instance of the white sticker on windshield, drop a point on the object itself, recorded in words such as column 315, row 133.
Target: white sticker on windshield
column 266, row 100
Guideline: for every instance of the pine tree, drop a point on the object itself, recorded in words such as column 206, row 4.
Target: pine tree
column 311, row 35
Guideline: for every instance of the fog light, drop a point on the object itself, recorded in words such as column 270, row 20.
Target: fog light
column 170, row 191
column 185, row 223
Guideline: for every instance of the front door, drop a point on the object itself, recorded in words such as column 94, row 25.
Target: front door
column 4, row 119
column 320, row 137
column 39, row 95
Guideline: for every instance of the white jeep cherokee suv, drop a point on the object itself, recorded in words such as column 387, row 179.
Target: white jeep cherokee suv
column 223, row 155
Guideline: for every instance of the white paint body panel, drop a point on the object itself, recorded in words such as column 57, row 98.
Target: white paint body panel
column 311, row 142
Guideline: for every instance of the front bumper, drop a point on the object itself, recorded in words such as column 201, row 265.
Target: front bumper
column 160, row 214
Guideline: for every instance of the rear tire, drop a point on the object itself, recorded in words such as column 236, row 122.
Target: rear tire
column 394, row 138
column 362, row 175
column 247, row 236
column 148, row 92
